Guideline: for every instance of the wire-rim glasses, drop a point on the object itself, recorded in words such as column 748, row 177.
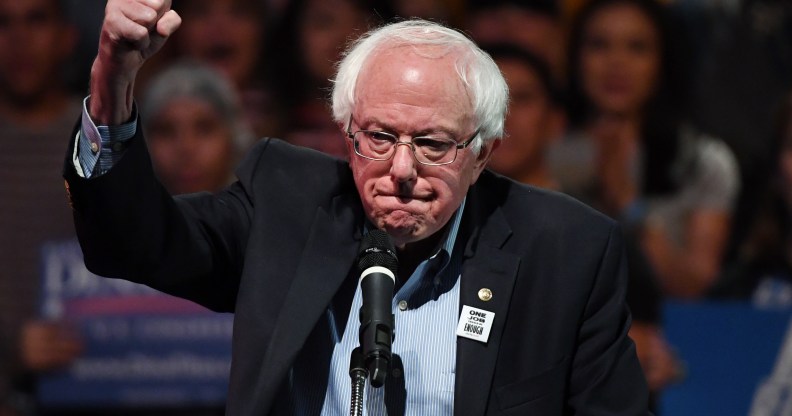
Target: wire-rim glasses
column 381, row 145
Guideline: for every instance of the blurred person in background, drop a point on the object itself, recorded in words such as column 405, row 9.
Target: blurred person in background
column 630, row 154
column 534, row 25
column 35, row 109
column 309, row 39
column 763, row 269
column 535, row 119
column 746, row 46
column 229, row 36
column 448, row 11
column 536, row 116
column 195, row 129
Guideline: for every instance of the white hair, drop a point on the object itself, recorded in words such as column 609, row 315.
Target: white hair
column 189, row 79
column 476, row 70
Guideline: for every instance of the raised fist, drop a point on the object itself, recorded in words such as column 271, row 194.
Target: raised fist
column 132, row 31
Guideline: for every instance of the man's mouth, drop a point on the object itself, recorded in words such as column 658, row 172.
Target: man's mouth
column 408, row 197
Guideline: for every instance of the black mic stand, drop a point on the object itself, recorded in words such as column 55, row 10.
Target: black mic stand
column 359, row 374
column 377, row 263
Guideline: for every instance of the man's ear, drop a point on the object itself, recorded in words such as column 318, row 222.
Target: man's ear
column 483, row 157
column 349, row 145
column 486, row 152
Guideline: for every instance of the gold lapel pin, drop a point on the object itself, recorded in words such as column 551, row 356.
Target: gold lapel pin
column 485, row 294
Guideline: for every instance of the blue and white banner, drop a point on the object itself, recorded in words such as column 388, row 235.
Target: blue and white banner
column 143, row 348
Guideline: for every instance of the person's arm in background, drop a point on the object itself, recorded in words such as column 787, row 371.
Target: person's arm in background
column 690, row 268
column 689, row 271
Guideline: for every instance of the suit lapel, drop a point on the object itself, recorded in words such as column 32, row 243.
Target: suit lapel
column 486, row 267
column 327, row 260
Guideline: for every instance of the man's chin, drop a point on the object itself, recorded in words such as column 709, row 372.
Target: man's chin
column 401, row 235
column 402, row 232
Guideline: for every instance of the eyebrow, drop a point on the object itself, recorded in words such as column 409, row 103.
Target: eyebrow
column 386, row 127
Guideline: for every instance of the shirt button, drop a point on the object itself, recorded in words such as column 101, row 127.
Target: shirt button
column 402, row 305
column 94, row 147
column 118, row 146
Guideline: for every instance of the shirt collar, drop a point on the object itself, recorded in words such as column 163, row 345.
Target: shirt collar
column 434, row 275
column 453, row 230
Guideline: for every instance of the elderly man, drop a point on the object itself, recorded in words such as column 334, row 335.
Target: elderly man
column 420, row 107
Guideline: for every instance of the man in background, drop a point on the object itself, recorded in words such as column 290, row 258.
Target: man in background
column 35, row 108
column 536, row 116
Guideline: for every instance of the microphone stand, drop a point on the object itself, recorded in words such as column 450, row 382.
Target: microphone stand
column 359, row 374
column 377, row 264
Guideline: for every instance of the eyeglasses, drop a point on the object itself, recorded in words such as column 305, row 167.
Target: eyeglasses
column 432, row 151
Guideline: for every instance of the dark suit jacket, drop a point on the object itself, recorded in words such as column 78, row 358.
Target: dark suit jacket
column 278, row 246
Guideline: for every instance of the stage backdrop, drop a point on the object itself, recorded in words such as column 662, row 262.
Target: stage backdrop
column 143, row 348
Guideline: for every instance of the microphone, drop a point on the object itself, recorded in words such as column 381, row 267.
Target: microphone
column 377, row 263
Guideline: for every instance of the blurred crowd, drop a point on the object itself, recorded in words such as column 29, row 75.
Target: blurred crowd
column 673, row 117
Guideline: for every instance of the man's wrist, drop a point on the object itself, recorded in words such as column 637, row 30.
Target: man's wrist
column 112, row 94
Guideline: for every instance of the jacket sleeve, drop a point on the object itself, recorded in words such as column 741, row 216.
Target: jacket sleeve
column 129, row 227
column 606, row 377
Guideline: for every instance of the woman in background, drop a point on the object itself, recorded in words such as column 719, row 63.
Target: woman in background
column 630, row 154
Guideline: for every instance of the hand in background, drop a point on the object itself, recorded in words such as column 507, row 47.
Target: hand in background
column 660, row 365
column 617, row 144
column 47, row 345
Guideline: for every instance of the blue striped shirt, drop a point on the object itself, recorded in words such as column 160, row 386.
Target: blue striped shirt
column 100, row 147
column 426, row 309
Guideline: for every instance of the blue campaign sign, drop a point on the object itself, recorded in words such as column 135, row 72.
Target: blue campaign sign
column 738, row 360
column 142, row 348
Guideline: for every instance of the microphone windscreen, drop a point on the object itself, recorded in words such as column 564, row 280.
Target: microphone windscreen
column 377, row 249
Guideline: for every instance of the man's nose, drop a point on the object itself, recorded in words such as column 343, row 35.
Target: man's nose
column 403, row 164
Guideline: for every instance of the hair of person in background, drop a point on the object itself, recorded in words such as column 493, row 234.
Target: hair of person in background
column 202, row 84
column 310, row 37
column 546, row 7
column 441, row 11
column 535, row 25
column 532, row 61
column 230, row 35
column 535, row 117
column 663, row 111
column 476, row 69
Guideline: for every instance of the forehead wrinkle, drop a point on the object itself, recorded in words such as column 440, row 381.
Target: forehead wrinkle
column 378, row 122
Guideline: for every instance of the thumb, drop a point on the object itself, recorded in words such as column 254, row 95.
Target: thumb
column 166, row 26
